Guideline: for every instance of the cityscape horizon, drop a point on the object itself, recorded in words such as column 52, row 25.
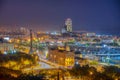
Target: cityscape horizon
column 59, row 40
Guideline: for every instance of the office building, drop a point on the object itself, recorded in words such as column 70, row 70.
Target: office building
column 68, row 25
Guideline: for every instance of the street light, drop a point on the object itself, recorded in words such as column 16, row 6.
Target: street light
column 116, row 79
column 91, row 73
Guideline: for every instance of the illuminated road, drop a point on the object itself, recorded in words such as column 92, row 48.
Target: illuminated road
column 50, row 63
column 35, row 69
column 44, row 65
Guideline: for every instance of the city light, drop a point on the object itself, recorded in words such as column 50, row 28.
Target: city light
column 59, row 40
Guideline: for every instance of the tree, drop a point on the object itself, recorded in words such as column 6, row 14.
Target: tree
column 112, row 72
column 101, row 76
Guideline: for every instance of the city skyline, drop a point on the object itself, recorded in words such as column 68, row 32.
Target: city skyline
column 59, row 39
column 101, row 17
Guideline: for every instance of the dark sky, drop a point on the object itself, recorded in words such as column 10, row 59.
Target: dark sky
column 101, row 16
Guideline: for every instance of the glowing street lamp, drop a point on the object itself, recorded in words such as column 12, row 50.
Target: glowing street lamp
column 91, row 73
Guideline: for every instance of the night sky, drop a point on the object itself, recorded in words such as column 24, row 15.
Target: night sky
column 100, row 16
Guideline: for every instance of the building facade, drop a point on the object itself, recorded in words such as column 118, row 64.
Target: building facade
column 62, row 58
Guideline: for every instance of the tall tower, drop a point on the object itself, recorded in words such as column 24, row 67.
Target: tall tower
column 31, row 45
column 68, row 24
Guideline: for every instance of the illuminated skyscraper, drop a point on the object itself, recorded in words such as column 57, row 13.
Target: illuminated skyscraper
column 68, row 24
